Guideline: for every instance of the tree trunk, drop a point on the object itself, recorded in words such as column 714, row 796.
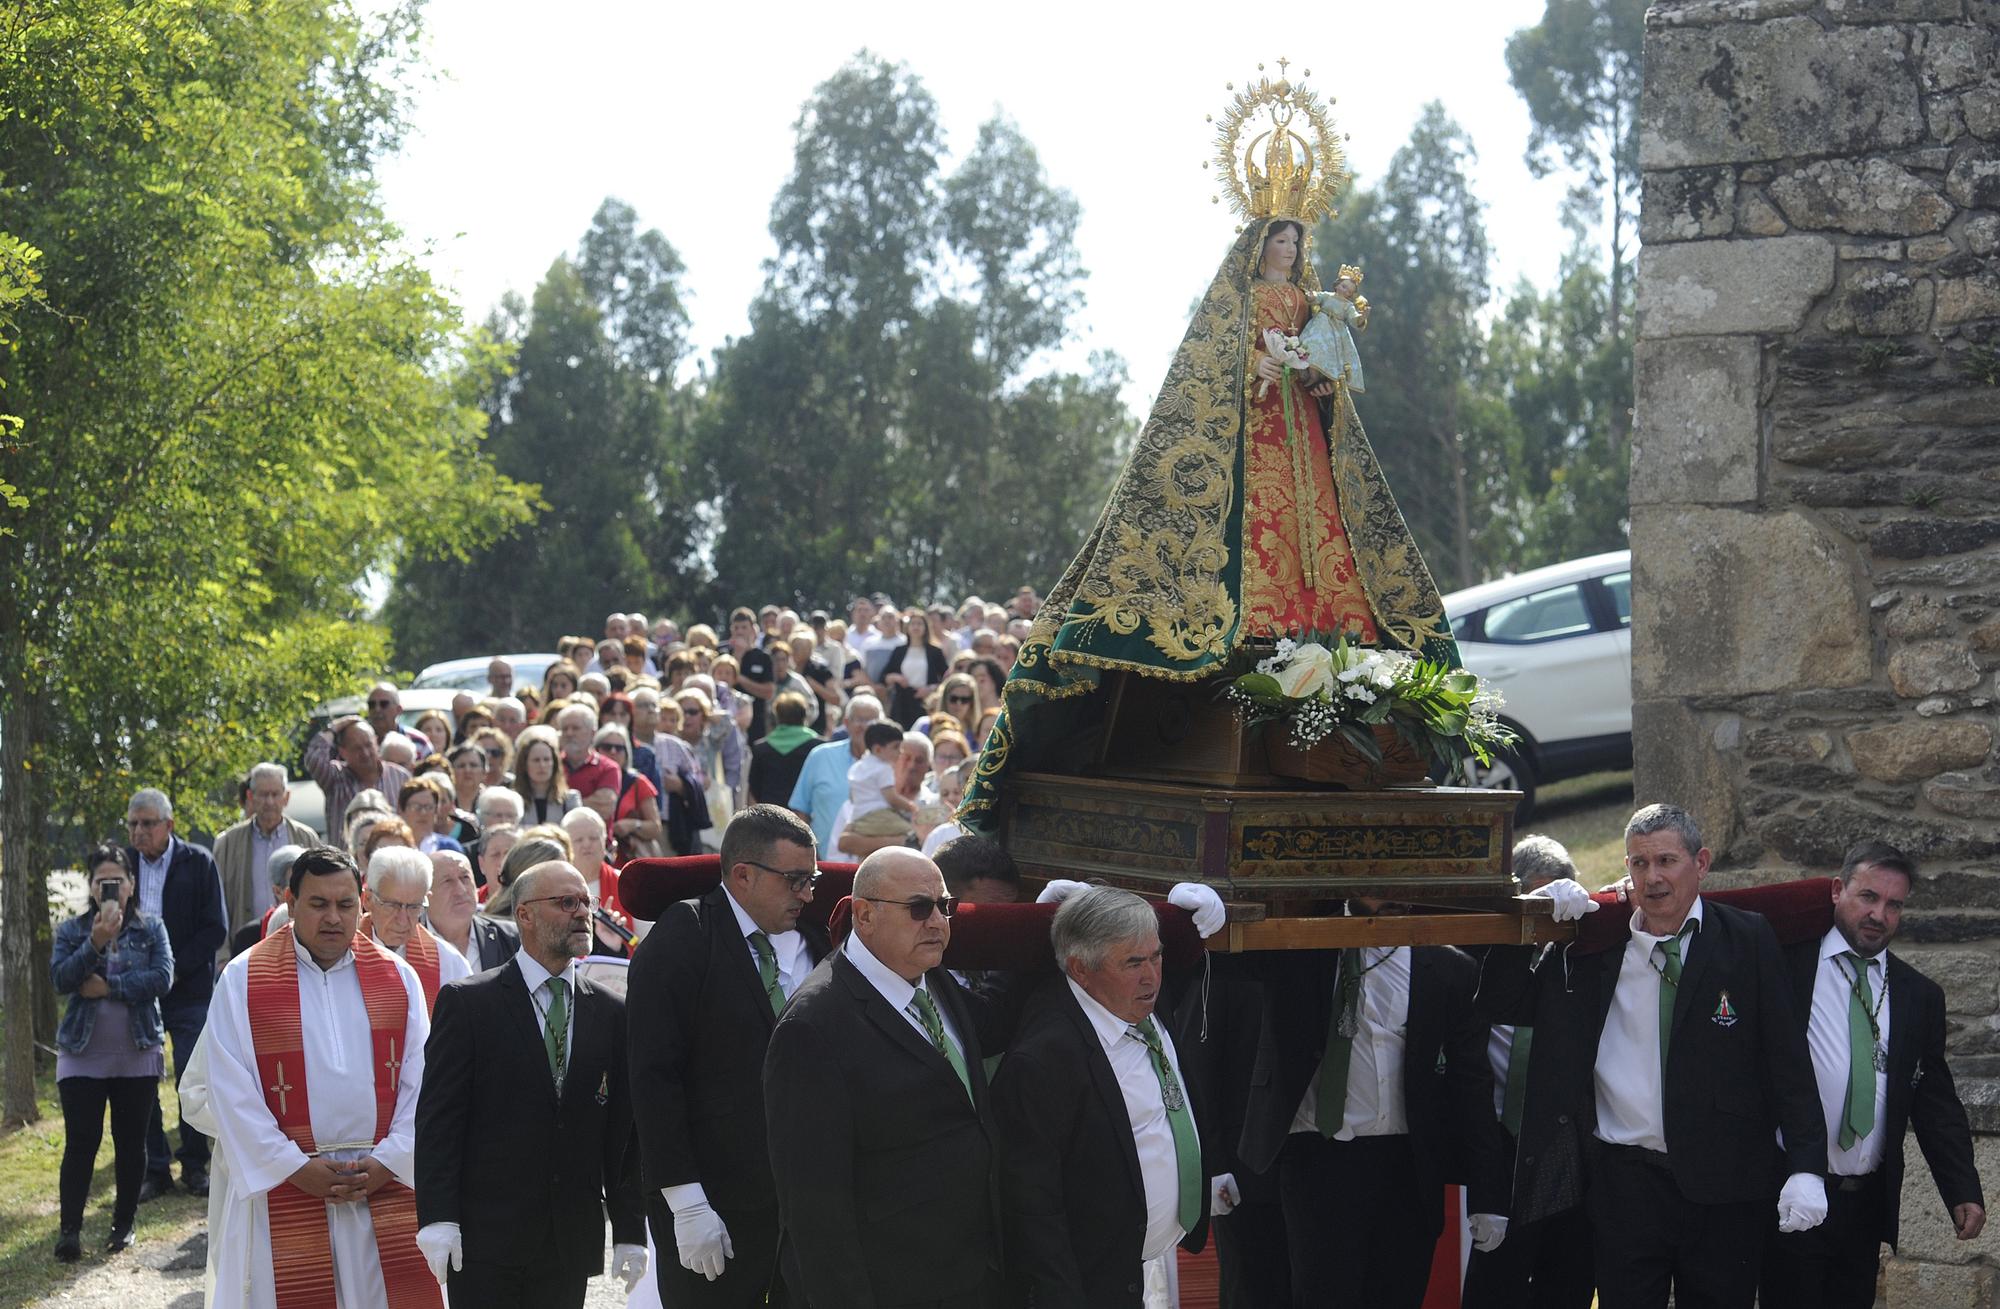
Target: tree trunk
column 23, row 888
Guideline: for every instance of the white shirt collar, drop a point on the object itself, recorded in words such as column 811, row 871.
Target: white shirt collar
column 884, row 979
column 1110, row 1028
column 1694, row 916
column 1833, row 945
column 537, row 976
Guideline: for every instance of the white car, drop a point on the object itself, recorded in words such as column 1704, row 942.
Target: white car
column 1556, row 642
column 470, row 674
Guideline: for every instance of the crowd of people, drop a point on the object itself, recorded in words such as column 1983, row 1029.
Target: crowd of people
column 405, row 1086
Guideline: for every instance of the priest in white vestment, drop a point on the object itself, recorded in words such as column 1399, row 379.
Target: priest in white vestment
column 352, row 1162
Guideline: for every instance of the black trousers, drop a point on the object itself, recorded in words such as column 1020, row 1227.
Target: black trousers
column 1545, row 1264
column 750, row 1278
column 1833, row 1266
column 1650, row 1240
column 1252, row 1261
column 1359, row 1228
column 517, row 1288
column 183, row 1023
column 132, row 1100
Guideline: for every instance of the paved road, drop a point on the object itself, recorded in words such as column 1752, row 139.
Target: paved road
column 165, row 1273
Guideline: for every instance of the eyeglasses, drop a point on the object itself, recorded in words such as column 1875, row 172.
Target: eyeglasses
column 800, row 883
column 610, row 747
column 494, row 754
column 958, row 699
column 380, row 704
column 396, row 907
column 569, row 904
column 143, row 824
column 921, row 907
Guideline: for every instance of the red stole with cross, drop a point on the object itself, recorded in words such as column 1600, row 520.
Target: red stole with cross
column 420, row 952
column 301, row 1250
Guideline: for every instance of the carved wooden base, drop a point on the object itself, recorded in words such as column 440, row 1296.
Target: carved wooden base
column 1290, row 853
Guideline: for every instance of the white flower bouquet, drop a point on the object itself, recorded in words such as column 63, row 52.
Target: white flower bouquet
column 1319, row 689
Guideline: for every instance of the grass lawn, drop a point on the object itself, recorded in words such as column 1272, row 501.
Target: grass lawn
column 29, row 1161
column 1587, row 814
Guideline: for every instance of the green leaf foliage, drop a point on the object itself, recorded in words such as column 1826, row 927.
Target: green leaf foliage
column 235, row 399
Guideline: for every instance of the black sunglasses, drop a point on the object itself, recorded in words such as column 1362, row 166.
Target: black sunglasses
column 922, row 907
column 380, row 704
column 958, row 699
column 798, row 882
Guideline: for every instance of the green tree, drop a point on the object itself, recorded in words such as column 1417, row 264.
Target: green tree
column 1579, row 71
column 231, row 402
column 1419, row 237
column 589, row 411
column 880, row 424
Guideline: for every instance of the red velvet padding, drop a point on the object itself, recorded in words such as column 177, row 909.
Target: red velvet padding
column 648, row 886
column 1798, row 911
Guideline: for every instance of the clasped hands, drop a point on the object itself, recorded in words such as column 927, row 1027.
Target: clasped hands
column 341, row 1181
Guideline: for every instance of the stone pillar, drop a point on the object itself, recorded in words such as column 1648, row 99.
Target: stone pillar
column 1816, row 483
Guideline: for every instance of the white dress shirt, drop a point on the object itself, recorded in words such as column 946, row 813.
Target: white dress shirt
column 1826, row 1037
column 153, row 877
column 539, row 995
column 1152, row 1135
column 1375, row 1070
column 896, row 991
column 1631, row 1108
column 789, row 947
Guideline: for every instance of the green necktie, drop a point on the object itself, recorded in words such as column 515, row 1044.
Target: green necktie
column 767, row 968
column 1858, row 1118
column 1516, row 1094
column 927, row 1014
column 1330, row 1106
column 1187, row 1149
column 1670, row 987
column 558, row 1028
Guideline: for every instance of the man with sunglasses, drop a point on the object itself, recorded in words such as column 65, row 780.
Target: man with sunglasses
column 705, row 988
column 877, row 1106
column 524, row 1123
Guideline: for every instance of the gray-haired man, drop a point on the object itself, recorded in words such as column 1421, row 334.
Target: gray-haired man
column 243, row 852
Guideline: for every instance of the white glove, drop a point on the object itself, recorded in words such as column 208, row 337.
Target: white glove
column 1058, row 890
column 703, row 1240
column 1802, row 1204
column 1203, row 903
column 1223, row 1195
column 442, row 1246
column 1572, row 901
column 1488, row 1231
column 629, row 1262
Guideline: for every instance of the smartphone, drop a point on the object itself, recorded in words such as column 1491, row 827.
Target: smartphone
column 107, row 890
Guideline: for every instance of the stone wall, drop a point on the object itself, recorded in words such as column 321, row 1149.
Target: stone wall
column 1816, row 481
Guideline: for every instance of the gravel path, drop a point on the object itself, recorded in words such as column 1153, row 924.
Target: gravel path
column 164, row 1272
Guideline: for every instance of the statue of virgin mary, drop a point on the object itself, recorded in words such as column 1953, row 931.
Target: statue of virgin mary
column 1252, row 507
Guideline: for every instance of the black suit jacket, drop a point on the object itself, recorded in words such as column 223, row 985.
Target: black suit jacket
column 1074, row 1200
column 499, row 940
column 887, row 1189
column 1447, row 1081
column 1732, row 1079
column 527, row 1178
column 700, row 1022
column 197, row 925
column 1920, row 1086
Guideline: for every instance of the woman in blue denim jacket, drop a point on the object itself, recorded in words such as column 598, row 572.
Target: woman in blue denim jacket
column 114, row 962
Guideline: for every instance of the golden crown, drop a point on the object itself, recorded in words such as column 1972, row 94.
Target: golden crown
column 1277, row 150
column 1351, row 273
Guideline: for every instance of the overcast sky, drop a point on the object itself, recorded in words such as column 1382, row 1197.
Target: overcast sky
column 686, row 112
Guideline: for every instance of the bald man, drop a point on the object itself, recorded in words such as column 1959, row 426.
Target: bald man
column 876, row 1105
